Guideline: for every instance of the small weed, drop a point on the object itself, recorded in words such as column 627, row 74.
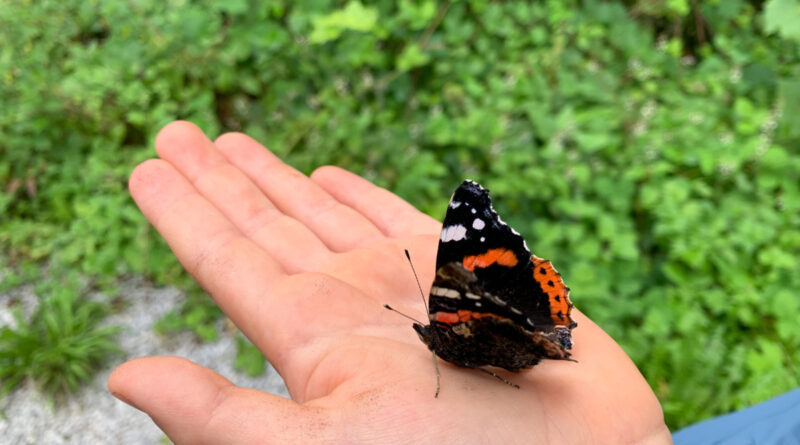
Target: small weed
column 248, row 358
column 198, row 313
column 61, row 346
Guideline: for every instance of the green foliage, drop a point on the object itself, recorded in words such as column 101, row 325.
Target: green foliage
column 783, row 17
column 62, row 344
column 649, row 148
column 249, row 359
column 353, row 17
column 197, row 314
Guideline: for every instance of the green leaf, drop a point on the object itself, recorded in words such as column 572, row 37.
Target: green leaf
column 783, row 17
column 679, row 7
column 354, row 17
column 789, row 91
column 231, row 6
column 417, row 13
column 249, row 359
column 412, row 57
column 767, row 356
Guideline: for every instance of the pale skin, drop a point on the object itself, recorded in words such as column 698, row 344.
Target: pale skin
column 303, row 266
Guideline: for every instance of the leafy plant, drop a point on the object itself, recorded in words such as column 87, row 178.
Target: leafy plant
column 783, row 17
column 197, row 314
column 61, row 345
column 249, row 359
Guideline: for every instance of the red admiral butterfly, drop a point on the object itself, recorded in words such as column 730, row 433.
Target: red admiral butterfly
column 492, row 303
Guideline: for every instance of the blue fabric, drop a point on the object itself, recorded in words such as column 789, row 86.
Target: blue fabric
column 774, row 422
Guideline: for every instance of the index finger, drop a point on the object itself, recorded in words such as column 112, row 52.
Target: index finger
column 233, row 270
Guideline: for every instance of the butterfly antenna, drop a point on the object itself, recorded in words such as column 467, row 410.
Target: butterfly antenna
column 419, row 286
column 422, row 294
column 404, row 315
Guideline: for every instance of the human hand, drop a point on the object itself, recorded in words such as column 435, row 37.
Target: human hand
column 303, row 267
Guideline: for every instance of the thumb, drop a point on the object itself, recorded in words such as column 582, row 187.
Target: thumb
column 195, row 405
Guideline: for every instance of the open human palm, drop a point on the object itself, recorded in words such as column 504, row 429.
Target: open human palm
column 303, row 266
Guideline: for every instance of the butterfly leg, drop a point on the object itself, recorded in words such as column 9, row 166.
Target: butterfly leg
column 499, row 378
column 436, row 368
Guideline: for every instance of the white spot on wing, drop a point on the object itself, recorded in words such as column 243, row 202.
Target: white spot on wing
column 483, row 238
column 473, row 211
column 516, row 311
column 444, row 292
column 478, row 304
column 454, row 233
column 455, row 204
column 478, row 224
column 472, row 296
column 529, row 321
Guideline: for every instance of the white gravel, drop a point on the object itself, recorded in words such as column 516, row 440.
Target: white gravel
column 93, row 416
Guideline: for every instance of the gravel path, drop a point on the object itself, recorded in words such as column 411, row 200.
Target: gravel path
column 93, row 416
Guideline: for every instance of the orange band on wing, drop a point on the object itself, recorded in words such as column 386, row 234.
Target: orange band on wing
column 461, row 316
column 503, row 257
column 557, row 293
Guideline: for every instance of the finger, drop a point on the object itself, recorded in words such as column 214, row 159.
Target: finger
column 195, row 405
column 390, row 213
column 189, row 150
column 279, row 313
column 338, row 226
column 230, row 267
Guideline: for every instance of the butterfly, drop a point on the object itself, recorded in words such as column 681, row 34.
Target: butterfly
column 492, row 302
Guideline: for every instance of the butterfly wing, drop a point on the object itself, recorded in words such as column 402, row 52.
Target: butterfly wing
column 523, row 288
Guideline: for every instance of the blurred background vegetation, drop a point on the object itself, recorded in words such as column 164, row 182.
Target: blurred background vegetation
column 650, row 148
